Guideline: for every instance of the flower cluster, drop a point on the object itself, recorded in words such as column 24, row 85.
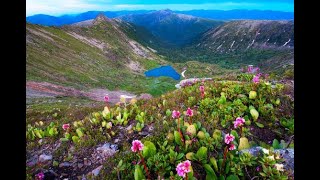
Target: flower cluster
column 39, row 176
column 251, row 69
column 189, row 112
column 238, row 122
column 183, row 168
column 65, row 126
column 228, row 140
column 136, row 146
column 106, row 98
column 201, row 88
column 175, row 114
column 256, row 79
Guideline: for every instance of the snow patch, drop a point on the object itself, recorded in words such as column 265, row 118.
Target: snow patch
column 286, row 42
column 232, row 44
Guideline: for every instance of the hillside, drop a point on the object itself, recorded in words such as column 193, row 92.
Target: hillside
column 239, row 43
column 98, row 56
column 172, row 28
column 257, row 117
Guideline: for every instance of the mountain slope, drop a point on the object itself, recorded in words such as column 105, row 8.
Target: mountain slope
column 172, row 28
column 99, row 56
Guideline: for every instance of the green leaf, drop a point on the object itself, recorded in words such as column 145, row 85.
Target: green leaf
column 259, row 125
column 138, row 174
column 214, row 163
column 51, row 132
column 64, row 139
column 275, row 144
column 202, row 153
column 235, row 134
column 177, row 138
column 244, row 144
column 79, row 132
column 233, row 177
column 149, row 149
column 211, row 175
column 75, row 139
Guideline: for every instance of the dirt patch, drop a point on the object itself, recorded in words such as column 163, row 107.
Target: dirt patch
column 45, row 89
column 135, row 66
column 90, row 41
column 39, row 34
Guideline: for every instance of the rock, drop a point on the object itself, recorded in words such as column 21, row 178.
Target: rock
column 80, row 165
column 116, row 140
column 129, row 127
column 32, row 161
column 96, row 171
column 286, row 154
column 86, row 162
column 44, row 158
column 65, row 164
column 107, row 150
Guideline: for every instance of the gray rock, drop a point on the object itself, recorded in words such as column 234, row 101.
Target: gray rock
column 65, row 164
column 96, row 171
column 32, row 161
column 44, row 158
column 286, row 154
column 80, row 165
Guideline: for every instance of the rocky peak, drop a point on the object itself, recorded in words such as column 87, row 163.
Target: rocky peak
column 100, row 18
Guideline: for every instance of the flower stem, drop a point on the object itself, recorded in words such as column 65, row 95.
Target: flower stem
column 144, row 165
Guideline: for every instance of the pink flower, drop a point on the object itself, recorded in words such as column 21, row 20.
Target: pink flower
column 40, row 176
column 106, row 98
column 189, row 112
column 136, row 146
column 201, row 88
column 250, row 67
column 256, row 79
column 65, row 126
column 232, row 147
column 175, row 114
column 238, row 122
column 228, row 138
column 183, row 168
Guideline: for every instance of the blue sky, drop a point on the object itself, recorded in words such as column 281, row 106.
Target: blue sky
column 60, row 7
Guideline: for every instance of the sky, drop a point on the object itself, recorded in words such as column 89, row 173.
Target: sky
column 60, row 7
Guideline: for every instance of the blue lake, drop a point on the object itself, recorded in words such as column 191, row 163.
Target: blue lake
column 163, row 71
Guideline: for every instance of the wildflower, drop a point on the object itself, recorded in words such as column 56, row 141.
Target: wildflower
column 65, row 126
column 106, row 98
column 175, row 114
column 201, row 88
column 238, row 122
column 256, row 79
column 250, row 67
column 183, row 168
column 40, row 176
column 258, row 168
column 279, row 167
column 189, row 112
column 232, row 147
column 228, row 138
column 136, row 146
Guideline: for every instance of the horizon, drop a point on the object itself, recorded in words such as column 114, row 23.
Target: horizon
column 73, row 7
column 70, row 14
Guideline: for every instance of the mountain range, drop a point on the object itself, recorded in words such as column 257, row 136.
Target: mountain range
column 114, row 52
column 48, row 20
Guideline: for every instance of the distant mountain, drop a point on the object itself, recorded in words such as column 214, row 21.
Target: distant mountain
column 48, row 20
column 172, row 28
column 240, row 14
column 211, row 14
column 245, row 34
